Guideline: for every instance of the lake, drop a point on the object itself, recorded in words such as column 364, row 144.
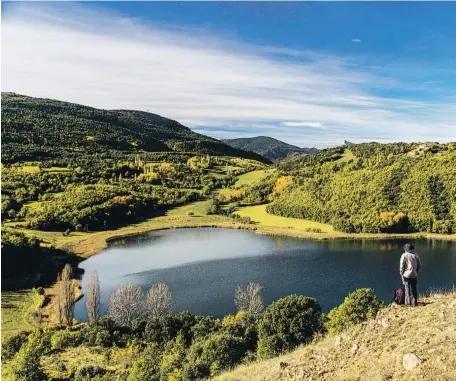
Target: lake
column 203, row 266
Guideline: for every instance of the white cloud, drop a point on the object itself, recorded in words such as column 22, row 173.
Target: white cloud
column 303, row 124
column 356, row 40
column 207, row 82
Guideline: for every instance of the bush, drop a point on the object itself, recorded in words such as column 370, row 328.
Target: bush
column 25, row 366
column 207, row 358
column 287, row 323
column 12, row 345
column 89, row 372
column 65, row 339
column 205, row 326
column 173, row 359
column 357, row 307
column 167, row 327
column 147, row 366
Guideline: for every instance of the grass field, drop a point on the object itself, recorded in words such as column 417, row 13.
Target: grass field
column 246, row 179
column 252, row 177
column 197, row 208
column 259, row 215
column 16, row 309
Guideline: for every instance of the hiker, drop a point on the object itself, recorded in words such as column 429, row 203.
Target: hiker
column 410, row 266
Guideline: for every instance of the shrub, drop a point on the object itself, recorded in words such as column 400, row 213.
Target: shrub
column 89, row 372
column 167, row 327
column 12, row 345
column 25, row 366
column 173, row 359
column 206, row 358
column 205, row 326
column 103, row 339
column 40, row 340
column 65, row 339
column 242, row 325
column 357, row 307
column 147, row 366
column 287, row 323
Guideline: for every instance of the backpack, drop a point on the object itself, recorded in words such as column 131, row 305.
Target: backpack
column 399, row 295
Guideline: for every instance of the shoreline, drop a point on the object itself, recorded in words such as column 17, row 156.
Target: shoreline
column 92, row 244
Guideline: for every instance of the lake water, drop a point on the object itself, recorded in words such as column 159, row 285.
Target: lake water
column 203, row 267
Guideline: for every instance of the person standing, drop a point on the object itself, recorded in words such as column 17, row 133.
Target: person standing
column 409, row 267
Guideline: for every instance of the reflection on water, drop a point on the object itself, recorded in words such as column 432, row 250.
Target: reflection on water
column 203, row 267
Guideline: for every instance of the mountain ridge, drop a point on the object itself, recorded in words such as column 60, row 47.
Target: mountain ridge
column 271, row 148
column 40, row 128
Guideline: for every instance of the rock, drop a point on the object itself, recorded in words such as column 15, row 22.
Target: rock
column 384, row 323
column 338, row 343
column 354, row 348
column 410, row 361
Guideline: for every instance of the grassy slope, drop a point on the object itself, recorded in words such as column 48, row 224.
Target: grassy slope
column 259, row 215
column 252, row 177
column 16, row 309
column 248, row 178
column 429, row 331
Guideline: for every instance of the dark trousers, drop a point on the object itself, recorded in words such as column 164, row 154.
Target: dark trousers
column 411, row 293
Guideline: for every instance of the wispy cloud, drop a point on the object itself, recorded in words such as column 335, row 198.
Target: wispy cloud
column 356, row 40
column 212, row 84
column 303, row 124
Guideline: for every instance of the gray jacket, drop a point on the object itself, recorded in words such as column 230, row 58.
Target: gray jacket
column 410, row 265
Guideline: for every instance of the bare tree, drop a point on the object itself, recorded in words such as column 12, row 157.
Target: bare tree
column 126, row 304
column 158, row 300
column 93, row 297
column 249, row 299
column 65, row 296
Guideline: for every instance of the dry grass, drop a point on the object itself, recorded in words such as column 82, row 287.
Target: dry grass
column 61, row 364
column 373, row 351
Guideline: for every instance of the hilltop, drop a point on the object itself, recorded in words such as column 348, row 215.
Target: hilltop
column 39, row 129
column 268, row 147
column 373, row 350
column 365, row 188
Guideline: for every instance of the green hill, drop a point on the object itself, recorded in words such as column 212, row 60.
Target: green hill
column 270, row 148
column 37, row 129
column 368, row 188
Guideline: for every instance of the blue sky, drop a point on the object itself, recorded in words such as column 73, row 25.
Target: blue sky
column 311, row 74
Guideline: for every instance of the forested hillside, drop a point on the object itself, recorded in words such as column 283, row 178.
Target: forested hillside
column 269, row 148
column 368, row 188
column 37, row 129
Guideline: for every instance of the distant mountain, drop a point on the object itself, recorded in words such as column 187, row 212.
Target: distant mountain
column 269, row 148
column 36, row 129
column 347, row 143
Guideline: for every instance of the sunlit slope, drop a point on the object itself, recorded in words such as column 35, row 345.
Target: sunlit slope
column 373, row 351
